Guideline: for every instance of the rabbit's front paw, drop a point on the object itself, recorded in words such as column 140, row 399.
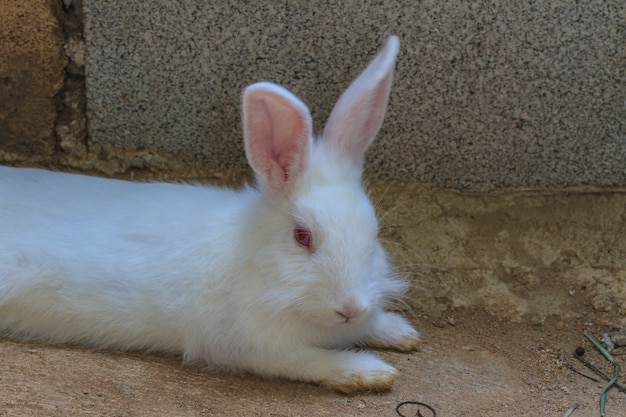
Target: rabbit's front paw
column 392, row 331
column 361, row 372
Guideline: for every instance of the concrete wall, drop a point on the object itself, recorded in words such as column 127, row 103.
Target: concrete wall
column 488, row 95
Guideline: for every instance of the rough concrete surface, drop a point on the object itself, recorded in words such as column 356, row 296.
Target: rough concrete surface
column 504, row 286
column 32, row 66
column 513, row 254
column 481, row 366
column 488, row 95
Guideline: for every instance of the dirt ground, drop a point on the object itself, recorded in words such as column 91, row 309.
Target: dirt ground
column 505, row 286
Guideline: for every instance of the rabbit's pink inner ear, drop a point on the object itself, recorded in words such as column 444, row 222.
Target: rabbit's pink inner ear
column 277, row 130
column 359, row 112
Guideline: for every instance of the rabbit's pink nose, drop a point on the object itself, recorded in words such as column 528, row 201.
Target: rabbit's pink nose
column 350, row 310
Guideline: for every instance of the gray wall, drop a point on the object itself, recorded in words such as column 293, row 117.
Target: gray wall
column 487, row 95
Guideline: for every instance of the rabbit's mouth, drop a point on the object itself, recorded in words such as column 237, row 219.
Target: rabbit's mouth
column 343, row 317
column 350, row 313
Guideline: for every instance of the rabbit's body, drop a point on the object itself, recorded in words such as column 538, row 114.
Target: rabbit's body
column 271, row 280
column 100, row 259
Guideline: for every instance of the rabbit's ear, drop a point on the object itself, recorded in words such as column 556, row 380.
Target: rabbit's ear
column 358, row 115
column 277, row 135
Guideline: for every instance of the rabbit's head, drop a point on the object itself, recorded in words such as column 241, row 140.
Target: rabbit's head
column 328, row 265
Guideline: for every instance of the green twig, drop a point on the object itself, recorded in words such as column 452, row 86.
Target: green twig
column 581, row 373
column 606, row 389
column 601, row 348
column 597, row 371
column 570, row 410
column 616, row 369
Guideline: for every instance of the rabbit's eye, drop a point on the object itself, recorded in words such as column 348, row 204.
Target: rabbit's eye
column 302, row 236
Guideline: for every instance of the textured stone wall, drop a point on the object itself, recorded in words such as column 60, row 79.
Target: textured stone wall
column 488, row 95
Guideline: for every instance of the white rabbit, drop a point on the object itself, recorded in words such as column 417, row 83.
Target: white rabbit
column 278, row 280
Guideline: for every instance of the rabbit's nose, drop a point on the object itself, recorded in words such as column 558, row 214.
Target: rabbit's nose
column 350, row 310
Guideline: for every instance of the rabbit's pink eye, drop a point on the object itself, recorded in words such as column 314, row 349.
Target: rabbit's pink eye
column 302, row 236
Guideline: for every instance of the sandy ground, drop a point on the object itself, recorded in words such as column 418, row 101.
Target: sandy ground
column 505, row 286
column 480, row 366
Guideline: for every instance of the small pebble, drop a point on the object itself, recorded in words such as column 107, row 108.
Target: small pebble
column 619, row 337
column 607, row 342
column 601, row 302
column 580, row 351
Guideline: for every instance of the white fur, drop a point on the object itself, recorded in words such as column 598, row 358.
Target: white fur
column 212, row 273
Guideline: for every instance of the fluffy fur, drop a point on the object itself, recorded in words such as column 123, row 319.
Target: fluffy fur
column 215, row 274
